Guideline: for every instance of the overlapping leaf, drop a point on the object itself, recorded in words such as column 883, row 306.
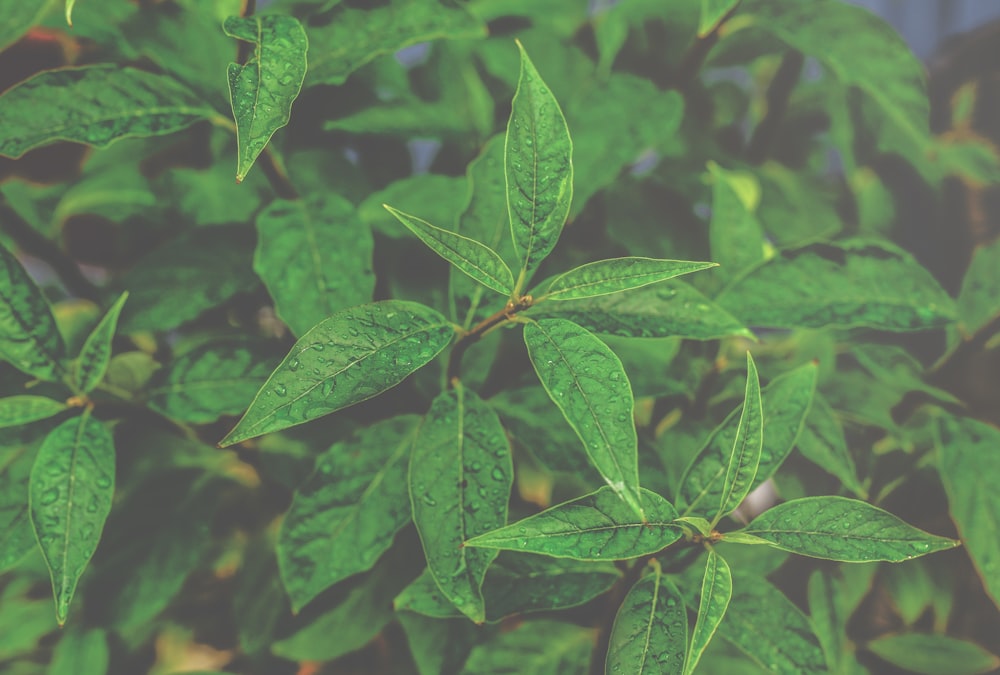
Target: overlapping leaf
column 29, row 338
column 716, row 591
column 650, row 632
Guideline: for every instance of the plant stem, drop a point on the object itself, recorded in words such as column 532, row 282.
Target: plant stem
column 778, row 93
column 694, row 57
column 476, row 333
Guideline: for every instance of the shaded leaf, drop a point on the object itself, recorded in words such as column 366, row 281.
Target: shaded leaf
column 977, row 301
column 19, row 17
column 650, row 630
column 29, row 338
column 81, row 652
column 712, row 12
column 716, row 591
column 16, row 536
column 616, row 275
column 96, row 353
column 931, row 654
column 438, row 198
column 439, row 646
column 534, row 648
column 823, row 443
column 18, row 410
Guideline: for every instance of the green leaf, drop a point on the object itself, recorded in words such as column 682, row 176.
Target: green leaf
column 616, row 275
column 931, row 654
column 588, row 383
column 96, row 353
column 468, row 255
column 978, row 302
column 716, row 591
column 29, row 338
column 517, row 584
column 669, row 309
column 18, row 410
column 848, row 530
column 439, row 646
column 348, row 512
column 534, row 648
column 95, row 105
column 741, row 469
column 347, row 358
column 349, row 37
column 72, row 484
column 823, row 443
column 315, row 257
column 69, row 12
column 968, row 462
column 216, row 378
column 19, row 17
column 263, row 89
column 650, row 630
column 598, row 526
column 81, row 652
column 16, row 536
column 439, row 198
column 736, row 237
column 460, row 478
column 712, row 12
column 538, row 167
column 852, row 283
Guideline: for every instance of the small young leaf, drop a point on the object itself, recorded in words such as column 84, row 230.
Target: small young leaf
column 348, row 512
column 598, row 526
column 460, row 478
column 18, row 410
column 477, row 260
column 616, row 275
column 72, row 484
column 96, row 105
column 930, row 654
column 349, row 357
column 539, row 168
column 69, row 12
column 712, row 11
column 716, row 591
column 29, row 338
column 650, row 632
column 534, row 648
column 587, row 382
column 848, row 530
column 96, row 353
column 742, row 466
column 263, row 89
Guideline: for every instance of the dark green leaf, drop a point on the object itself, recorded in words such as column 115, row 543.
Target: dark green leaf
column 438, row 198
column 978, row 302
column 716, row 591
column 853, row 283
column 588, row 383
column 598, row 526
column 534, row 648
column 349, row 357
column 263, row 89
column 18, row 410
column 460, row 478
column 837, row 528
column 931, row 654
column 315, row 257
column 439, row 646
column 650, row 630
column 741, row 467
column 616, row 275
column 213, row 379
column 29, row 338
column 80, row 652
column 96, row 353
column 822, row 442
column 348, row 512
column 477, row 260
column 539, row 169
column 95, row 105
column 72, row 483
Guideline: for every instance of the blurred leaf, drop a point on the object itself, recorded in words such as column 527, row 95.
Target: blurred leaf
column 17, row 538
column 20, row 17
column 29, row 338
column 735, row 235
column 822, row 442
column 24, row 620
column 977, row 301
column 78, row 651
column 96, row 353
column 533, row 648
column 931, row 654
column 18, row 410
column 439, row 646
column 716, row 591
column 712, row 12
column 437, row 198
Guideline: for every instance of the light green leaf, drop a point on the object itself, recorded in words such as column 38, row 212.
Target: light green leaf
column 18, row 410
column 736, row 237
column 468, row 255
column 598, row 526
column 851, row 283
column 823, row 443
column 95, row 105
column 741, row 469
column 72, row 484
column 968, row 462
column 848, row 530
column 460, row 478
column 19, row 17
column 616, row 275
column 96, row 353
column 931, row 654
column 978, row 302
column 80, row 652
column 712, row 12
column 347, row 358
column 69, row 12
column 263, row 89
column 350, row 37
column 669, row 309
column 650, row 630
column 534, row 648
column 695, row 524
column 29, row 338
column 716, row 591
column 587, row 382
column 315, row 257
column 348, row 512
column 538, row 167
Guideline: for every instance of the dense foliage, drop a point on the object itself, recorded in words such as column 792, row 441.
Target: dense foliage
column 532, row 337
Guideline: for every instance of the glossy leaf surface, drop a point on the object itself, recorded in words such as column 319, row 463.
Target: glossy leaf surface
column 848, row 530
column 348, row 512
column 741, row 467
column 349, row 357
column 95, row 105
column 96, row 353
column 72, row 484
column 29, row 338
column 460, row 478
column 716, row 591
column 598, row 526
column 539, row 168
column 315, row 257
column 616, row 275
column 587, row 382
column 475, row 259
column 23, row 409
column 650, row 631
column 533, row 648
column 263, row 89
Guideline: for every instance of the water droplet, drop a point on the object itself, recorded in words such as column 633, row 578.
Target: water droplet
column 294, row 364
column 429, row 500
column 318, row 346
column 280, row 390
column 497, row 473
column 104, row 482
column 475, row 466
